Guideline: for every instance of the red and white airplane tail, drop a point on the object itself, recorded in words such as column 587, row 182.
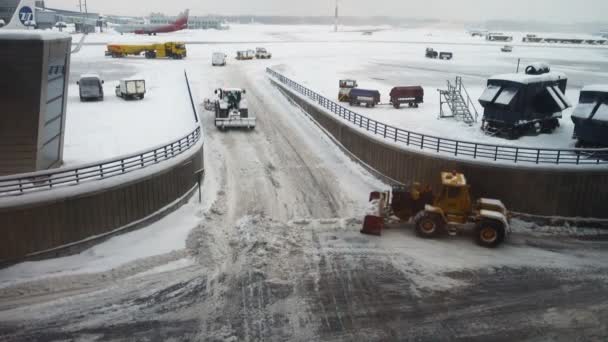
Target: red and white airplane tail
column 24, row 16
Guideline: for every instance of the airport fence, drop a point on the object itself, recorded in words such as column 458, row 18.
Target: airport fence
column 19, row 184
column 451, row 147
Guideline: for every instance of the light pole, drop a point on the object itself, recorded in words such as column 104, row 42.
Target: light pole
column 336, row 18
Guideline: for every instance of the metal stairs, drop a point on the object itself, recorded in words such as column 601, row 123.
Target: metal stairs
column 460, row 105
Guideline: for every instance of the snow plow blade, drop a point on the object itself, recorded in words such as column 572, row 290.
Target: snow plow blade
column 372, row 225
column 240, row 122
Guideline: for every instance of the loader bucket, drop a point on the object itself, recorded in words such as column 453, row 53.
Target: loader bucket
column 372, row 225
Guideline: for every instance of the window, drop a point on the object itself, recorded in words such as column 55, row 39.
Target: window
column 490, row 93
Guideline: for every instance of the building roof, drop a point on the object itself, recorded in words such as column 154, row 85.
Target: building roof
column 9, row 34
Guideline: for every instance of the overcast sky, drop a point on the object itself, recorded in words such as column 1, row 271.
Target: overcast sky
column 462, row 10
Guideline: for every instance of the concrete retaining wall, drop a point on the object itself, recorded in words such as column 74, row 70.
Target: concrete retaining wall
column 32, row 228
column 533, row 190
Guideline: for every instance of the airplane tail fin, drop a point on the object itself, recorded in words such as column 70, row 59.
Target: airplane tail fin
column 182, row 19
column 24, row 16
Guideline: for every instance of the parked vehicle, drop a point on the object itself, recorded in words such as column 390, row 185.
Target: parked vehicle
column 590, row 117
column 431, row 53
column 231, row 109
column 245, row 55
column 90, row 87
column 131, row 89
column 499, row 37
column 412, row 95
column 515, row 104
column 369, row 98
column 175, row 50
column 262, row 53
column 345, row 87
column 446, row 55
column 507, row 48
column 218, row 59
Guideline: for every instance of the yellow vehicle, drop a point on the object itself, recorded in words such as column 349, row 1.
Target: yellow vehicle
column 175, row 50
column 450, row 211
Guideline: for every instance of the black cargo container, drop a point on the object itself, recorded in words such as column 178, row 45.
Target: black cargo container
column 590, row 117
column 518, row 103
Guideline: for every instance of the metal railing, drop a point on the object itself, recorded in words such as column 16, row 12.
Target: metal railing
column 52, row 179
column 451, row 147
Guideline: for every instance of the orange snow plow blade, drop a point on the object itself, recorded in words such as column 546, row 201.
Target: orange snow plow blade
column 372, row 225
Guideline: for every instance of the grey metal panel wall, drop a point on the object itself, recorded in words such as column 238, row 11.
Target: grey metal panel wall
column 33, row 228
column 532, row 190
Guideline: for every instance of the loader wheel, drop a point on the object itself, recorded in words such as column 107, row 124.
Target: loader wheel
column 428, row 225
column 490, row 234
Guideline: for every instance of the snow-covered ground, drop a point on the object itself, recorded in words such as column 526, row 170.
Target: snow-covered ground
column 316, row 57
column 274, row 252
column 98, row 130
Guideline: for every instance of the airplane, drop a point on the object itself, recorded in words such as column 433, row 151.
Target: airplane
column 24, row 16
column 152, row 29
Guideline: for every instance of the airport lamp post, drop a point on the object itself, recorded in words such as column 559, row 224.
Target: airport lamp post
column 336, row 18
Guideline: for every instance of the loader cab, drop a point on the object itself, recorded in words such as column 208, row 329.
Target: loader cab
column 454, row 198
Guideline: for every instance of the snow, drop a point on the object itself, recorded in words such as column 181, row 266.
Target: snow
column 602, row 113
column 584, row 110
column 115, row 127
column 90, row 76
column 14, row 34
column 317, row 58
column 527, row 79
column 165, row 236
column 601, row 88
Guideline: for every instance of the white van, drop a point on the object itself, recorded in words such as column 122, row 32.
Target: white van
column 218, row 58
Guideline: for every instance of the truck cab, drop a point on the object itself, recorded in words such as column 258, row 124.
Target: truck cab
column 345, row 87
column 231, row 109
column 90, row 87
column 262, row 53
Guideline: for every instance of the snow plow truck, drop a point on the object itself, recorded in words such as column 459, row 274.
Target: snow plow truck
column 450, row 211
column 231, row 109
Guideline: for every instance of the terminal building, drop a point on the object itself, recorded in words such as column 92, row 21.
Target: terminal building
column 194, row 22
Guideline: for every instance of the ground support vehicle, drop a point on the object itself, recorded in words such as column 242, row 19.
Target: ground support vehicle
column 345, row 87
column 230, row 107
column 245, row 55
column 218, row 59
column 262, row 53
column 90, row 87
column 451, row 211
column 446, row 55
column 412, row 95
column 369, row 98
column 431, row 53
column 515, row 104
column 507, row 48
column 590, row 117
column 174, row 50
column 131, row 89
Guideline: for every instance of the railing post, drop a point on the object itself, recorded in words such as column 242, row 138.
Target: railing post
column 21, row 185
column 496, row 153
column 122, row 165
column 537, row 155
column 396, row 133
column 438, row 144
column 408, row 138
column 422, row 143
column 475, row 152
column 456, row 151
column 385, row 131
column 155, row 157
column 77, row 176
column 100, row 171
column 375, row 127
column 559, row 153
column 516, row 154
column 141, row 159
